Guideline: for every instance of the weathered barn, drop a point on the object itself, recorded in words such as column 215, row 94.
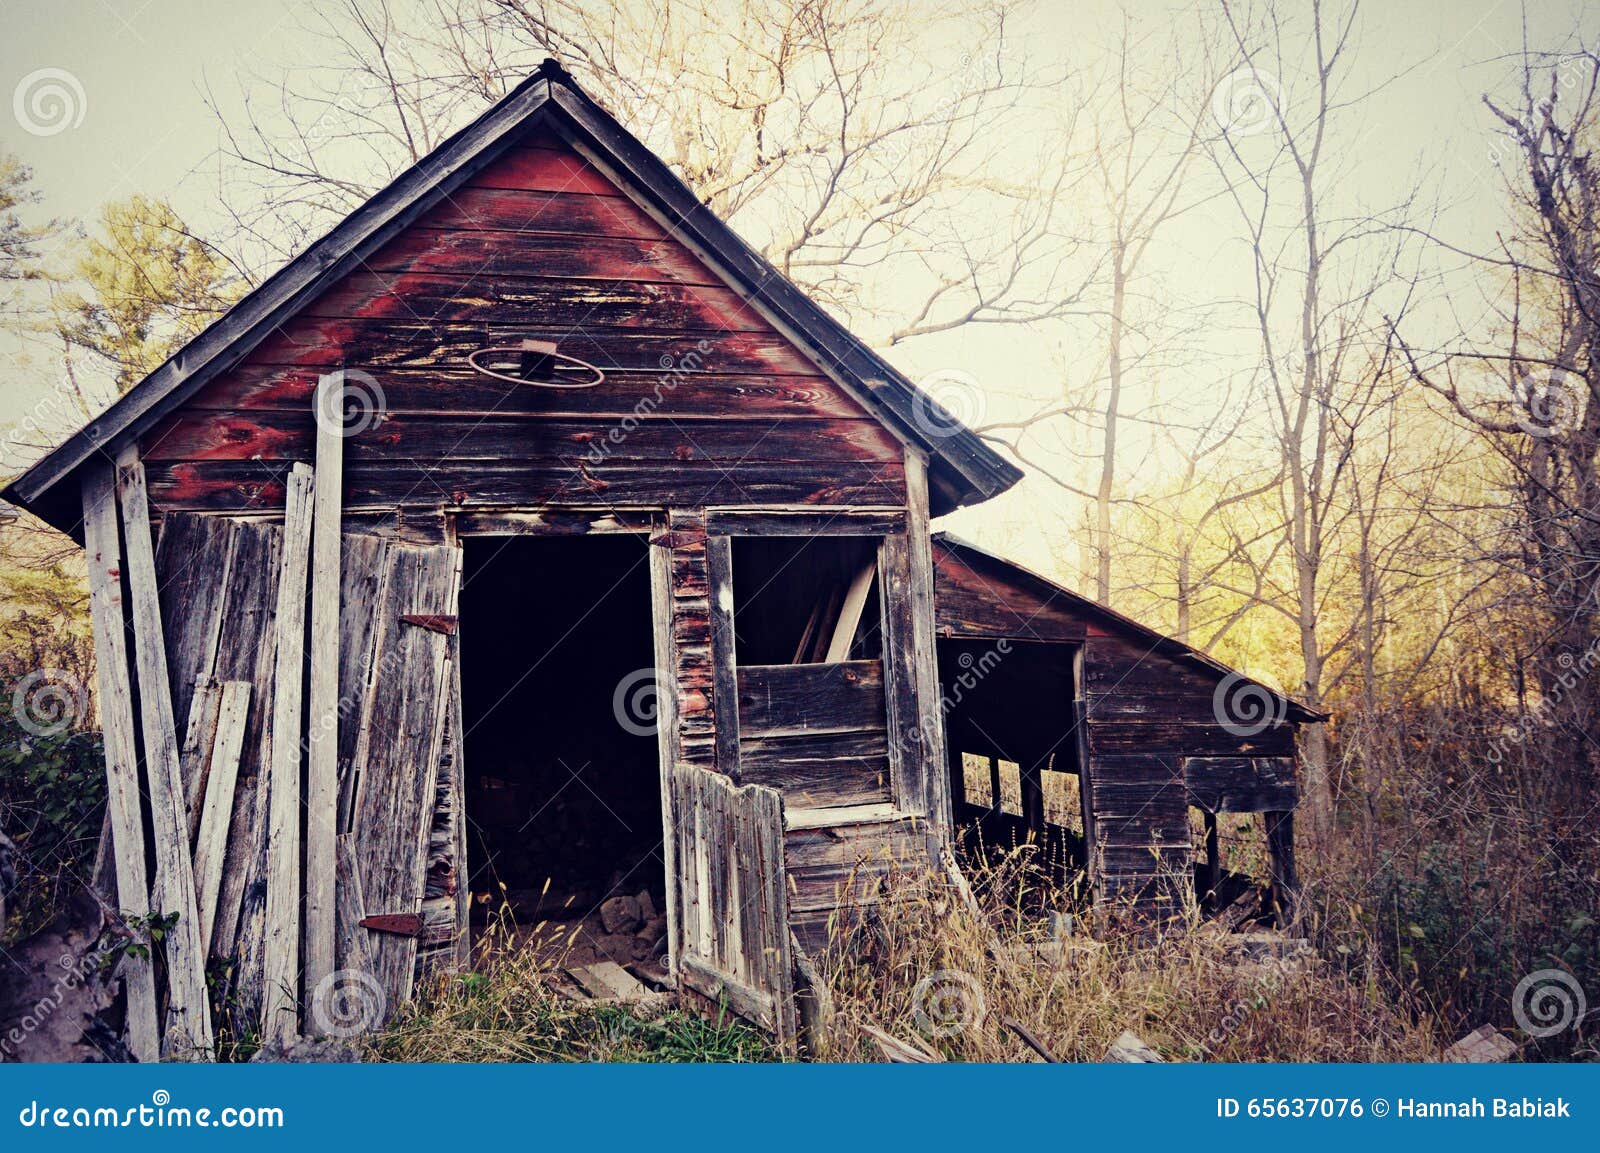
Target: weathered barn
column 530, row 527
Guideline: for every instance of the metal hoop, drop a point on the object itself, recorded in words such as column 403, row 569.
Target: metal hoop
column 538, row 348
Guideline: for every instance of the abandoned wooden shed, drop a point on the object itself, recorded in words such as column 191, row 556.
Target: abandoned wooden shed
column 529, row 532
column 1112, row 734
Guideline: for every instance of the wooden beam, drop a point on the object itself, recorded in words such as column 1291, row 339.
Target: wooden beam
column 807, row 522
column 926, row 694
column 724, row 676
column 188, row 1033
column 322, row 763
column 855, row 601
column 211, row 847
column 103, row 552
column 668, row 741
column 281, row 952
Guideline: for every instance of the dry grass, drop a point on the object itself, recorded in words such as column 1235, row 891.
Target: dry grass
column 924, row 972
column 505, row 1010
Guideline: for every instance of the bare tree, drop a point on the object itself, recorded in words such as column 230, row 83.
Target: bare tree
column 853, row 143
column 1527, row 380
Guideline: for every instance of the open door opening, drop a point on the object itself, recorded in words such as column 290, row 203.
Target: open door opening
column 1013, row 751
column 563, row 783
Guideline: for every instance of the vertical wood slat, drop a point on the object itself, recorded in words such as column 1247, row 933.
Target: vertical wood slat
column 899, row 675
column 398, row 749
column 194, row 758
column 188, row 1034
column 364, row 567
column 322, row 765
column 935, row 784
column 247, row 651
column 661, row 609
column 104, row 555
column 724, row 675
column 211, row 843
column 281, row 943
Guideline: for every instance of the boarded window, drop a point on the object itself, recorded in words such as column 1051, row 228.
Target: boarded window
column 976, row 788
column 1063, row 806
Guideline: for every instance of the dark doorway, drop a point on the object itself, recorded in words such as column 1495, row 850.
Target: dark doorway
column 1011, row 735
column 563, row 781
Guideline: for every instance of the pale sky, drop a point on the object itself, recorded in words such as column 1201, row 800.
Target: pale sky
column 145, row 66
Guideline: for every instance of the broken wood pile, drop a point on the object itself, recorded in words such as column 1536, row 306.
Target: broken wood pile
column 263, row 641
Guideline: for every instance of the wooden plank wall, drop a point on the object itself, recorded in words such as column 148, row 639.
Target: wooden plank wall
column 815, row 733
column 720, row 408
column 1154, row 737
column 838, row 872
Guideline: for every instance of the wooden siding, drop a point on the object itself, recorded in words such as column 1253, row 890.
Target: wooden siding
column 708, row 403
column 816, row 733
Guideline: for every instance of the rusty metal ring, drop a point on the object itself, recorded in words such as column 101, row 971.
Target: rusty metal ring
column 524, row 349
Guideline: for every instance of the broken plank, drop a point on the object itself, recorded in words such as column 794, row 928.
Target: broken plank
column 281, row 944
column 322, row 756
column 188, row 1033
column 855, row 600
column 103, row 553
column 194, row 759
column 211, row 846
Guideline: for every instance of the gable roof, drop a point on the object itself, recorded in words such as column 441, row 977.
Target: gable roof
column 1115, row 622
column 962, row 468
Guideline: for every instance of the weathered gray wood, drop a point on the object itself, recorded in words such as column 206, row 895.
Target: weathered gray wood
column 211, row 844
column 551, row 522
column 352, row 941
column 103, row 553
column 363, row 570
column 398, row 749
column 661, row 610
column 443, row 909
column 806, row 522
column 724, row 682
column 188, row 1034
column 795, row 700
column 193, row 558
column 855, row 600
column 281, row 947
column 194, row 759
column 934, row 781
column 322, row 755
column 247, row 651
column 906, row 758
column 731, row 870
